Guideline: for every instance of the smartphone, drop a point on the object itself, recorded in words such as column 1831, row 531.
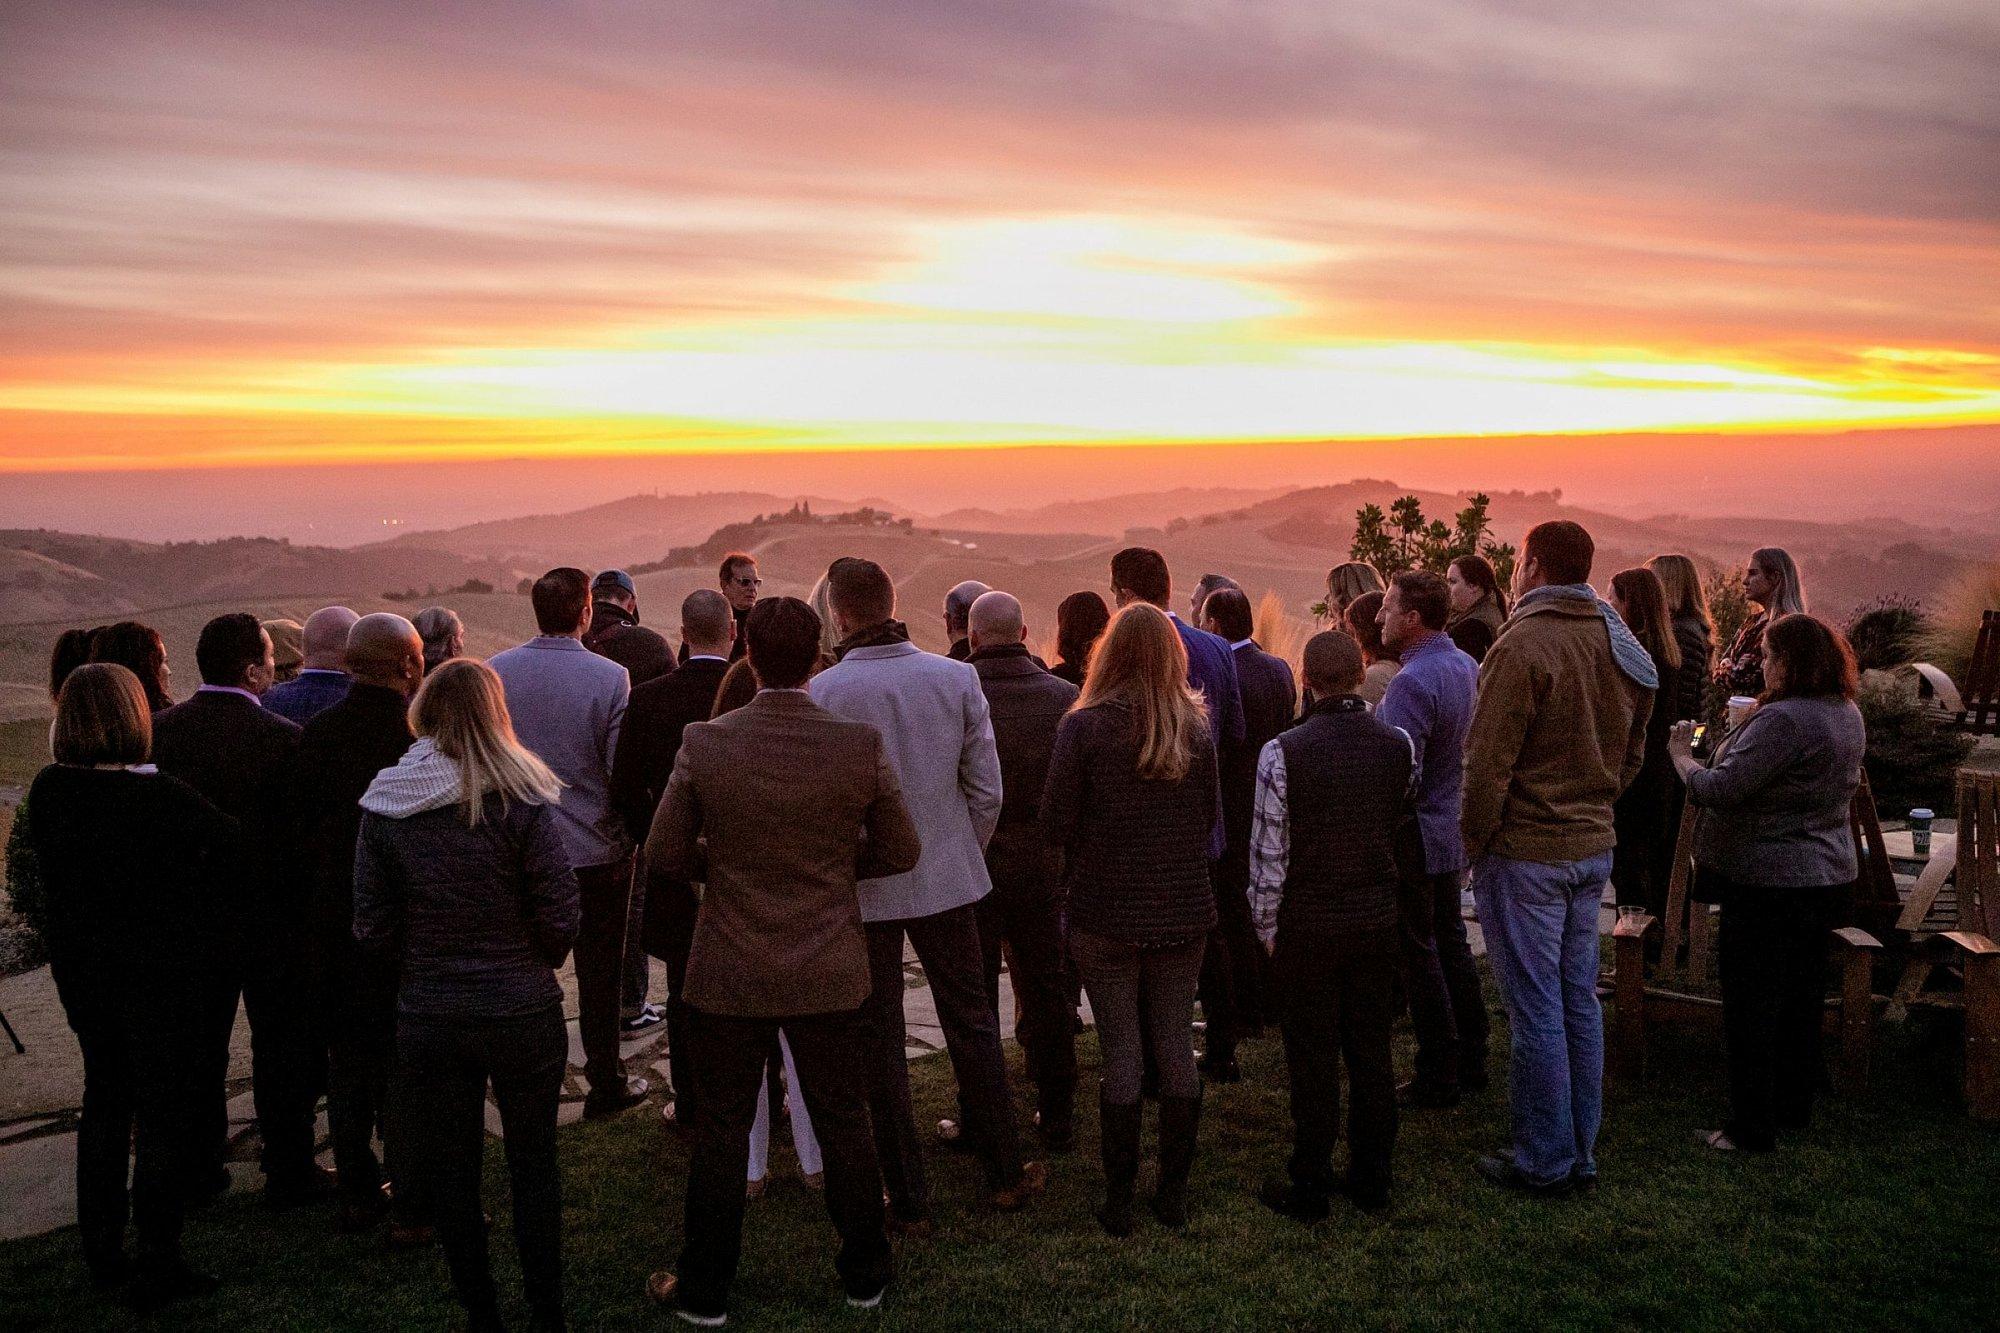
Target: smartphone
column 1700, row 732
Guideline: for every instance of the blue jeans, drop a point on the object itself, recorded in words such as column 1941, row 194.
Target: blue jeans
column 1540, row 923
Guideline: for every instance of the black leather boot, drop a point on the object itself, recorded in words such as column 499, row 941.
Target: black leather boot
column 1120, row 1150
column 1180, row 1118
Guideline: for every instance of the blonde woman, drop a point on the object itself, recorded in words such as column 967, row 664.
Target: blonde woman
column 1771, row 581
column 1131, row 796
column 461, row 881
column 1694, row 633
column 1345, row 582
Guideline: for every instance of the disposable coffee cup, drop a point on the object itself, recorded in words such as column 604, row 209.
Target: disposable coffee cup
column 1920, row 832
column 1740, row 706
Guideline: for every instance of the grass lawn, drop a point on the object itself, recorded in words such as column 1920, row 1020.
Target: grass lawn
column 1884, row 1215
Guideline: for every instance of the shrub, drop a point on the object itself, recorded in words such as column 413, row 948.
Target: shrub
column 1954, row 620
column 26, row 898
column 1912, row 759
column 1885, row 633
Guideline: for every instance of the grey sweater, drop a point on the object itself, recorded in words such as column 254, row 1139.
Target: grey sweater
column 1774, row 804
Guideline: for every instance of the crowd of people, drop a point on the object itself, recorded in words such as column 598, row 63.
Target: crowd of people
column 384, row 851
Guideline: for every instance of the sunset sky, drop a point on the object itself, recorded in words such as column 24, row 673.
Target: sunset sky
column 261, row 233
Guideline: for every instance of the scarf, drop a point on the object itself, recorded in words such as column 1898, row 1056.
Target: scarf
column 1626, row 650
column 421, row 780
column 875, row 636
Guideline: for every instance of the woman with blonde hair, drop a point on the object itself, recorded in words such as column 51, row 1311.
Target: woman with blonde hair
column 1345, row 582
column 1771, row 581
column 1694, row 633
column 1131, row 797
column 129, row 859
column 461, row 882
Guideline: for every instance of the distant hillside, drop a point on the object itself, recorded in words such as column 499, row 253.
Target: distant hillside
column 47, row 576
column 634, row 530
column 1111, row 514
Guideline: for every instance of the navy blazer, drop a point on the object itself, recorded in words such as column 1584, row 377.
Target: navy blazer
column 1212, row 670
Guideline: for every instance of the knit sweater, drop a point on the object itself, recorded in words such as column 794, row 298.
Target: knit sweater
column 1137, row 847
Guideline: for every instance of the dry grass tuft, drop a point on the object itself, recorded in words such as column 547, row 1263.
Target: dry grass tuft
column 1281, row 633
column 1954, row 612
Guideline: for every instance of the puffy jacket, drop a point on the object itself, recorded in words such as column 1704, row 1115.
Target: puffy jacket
column 477, row 916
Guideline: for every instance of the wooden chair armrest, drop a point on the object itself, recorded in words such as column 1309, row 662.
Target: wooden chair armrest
column 1856, row 938
column 1633, row 927
column 1974, row 944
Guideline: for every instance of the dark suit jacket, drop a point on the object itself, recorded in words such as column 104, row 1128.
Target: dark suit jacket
column 779, row 807
column 615, row 633
column 651, row 738
column 240, row 755
column 1027, row 704
column 340, row 753
column 1270, row 701
column 1212, row 670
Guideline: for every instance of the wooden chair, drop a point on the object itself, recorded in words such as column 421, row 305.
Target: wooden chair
column 1981, row 695
column 1948, row 926
column 1666, row 992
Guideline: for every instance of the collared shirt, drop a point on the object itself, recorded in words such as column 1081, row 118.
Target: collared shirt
column 1242, row 643
column 1431, row 700
column 229, row 689
column 1271, row 836
column 769, row 689
column 707, row 657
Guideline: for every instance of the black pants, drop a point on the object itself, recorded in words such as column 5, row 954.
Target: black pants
column 1772, row 963
column 671, row 909
column 1447, row 1007
column 1647, row 821
column 1143, row 1002
column 286, row 1069
column 1022, row 911
column 729, row 1055
column 443, row 1066
column 142, row 1079
column 358, row 1009
column 1338, row 997
column 947, row 945
column 606, row 893
column 1232, row 967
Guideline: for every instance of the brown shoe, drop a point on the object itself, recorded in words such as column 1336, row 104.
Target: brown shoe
column 815, row 1180
column 753, row 1190
column 664, row 1288
column 1034, row 1179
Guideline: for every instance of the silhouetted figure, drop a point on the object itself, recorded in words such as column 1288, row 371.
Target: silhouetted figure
column 566, row 705
column 939, row 735
column 1131, row 798
column 957, row 606
column 354, row 992
column 1478, row 605
column 1558, row 731
column 1080, row 619
column 1027, row 705
column 1431, row 701
column 1643, row 861
column 130, row 859
column 1773, row 846
column 322, row 678
column 777, row 807
column 444, row 635
column 462, row 884
column 1771, row 581
column 139, row 649
column 648, row 743
column 615, row 631
column 1334, row 849
column 227, row 746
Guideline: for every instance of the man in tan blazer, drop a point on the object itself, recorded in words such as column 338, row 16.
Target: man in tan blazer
column 778, row 807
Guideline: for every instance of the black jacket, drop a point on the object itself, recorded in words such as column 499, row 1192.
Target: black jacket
column 1270, row 702
column 1138, row 847
column 477, row 918
column 340, row 753
column 1683, row 692
column 650, row 738
column 135, row 928
column 1027, row 704
column 240, row 756
column 617, row 634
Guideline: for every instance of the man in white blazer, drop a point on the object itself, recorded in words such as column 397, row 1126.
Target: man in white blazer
column 939, row 736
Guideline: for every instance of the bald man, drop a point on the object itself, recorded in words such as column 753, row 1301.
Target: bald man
column 957, row 607
column 1027, row 704
column 322, row 680
column 354, row 999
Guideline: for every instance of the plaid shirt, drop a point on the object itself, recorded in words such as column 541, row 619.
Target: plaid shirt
column 1271, row 836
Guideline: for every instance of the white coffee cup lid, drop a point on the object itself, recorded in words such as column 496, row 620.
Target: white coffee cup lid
column 1741, row 700
column 1922, row 814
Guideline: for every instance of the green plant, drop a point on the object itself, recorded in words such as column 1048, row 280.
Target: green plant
column 26, row 897
column 1728, row 604
column 1404, row 539
column 1912, row 760
column 1885, row 633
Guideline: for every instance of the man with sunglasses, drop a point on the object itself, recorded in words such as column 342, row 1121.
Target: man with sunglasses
column 739, row 583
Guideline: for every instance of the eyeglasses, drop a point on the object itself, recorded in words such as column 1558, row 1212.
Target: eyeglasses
column 747, row 583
